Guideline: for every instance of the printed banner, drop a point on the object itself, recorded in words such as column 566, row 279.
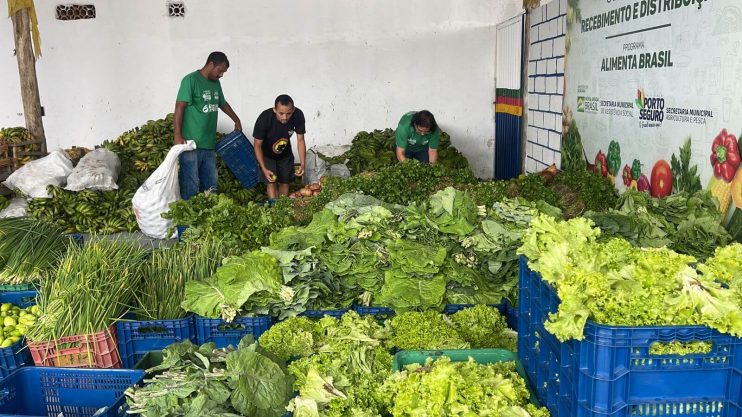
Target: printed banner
column 653, row 94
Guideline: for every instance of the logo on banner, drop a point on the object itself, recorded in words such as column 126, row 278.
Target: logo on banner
column 587, row 104
column 651, row 109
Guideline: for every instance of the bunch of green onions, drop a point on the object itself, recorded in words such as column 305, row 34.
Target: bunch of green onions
column 167, row 272
column 28, row 248
column 92, row 287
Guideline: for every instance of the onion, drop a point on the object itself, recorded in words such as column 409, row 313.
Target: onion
column 316, row 192
column 305, row 192
column 315, row 187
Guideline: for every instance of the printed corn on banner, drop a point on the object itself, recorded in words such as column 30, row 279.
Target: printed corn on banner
column 653, row 94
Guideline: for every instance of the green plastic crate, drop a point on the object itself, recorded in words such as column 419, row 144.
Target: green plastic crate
column 482, row 356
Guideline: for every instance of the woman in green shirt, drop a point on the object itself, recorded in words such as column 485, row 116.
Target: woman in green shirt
column 417, row 137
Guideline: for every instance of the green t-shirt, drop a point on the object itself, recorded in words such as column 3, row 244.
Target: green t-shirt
column 408, row 139
column 204, row 98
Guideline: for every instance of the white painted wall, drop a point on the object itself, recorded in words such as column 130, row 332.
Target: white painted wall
column 350, row 65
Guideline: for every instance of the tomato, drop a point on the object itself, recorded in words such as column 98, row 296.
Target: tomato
column 661, row 184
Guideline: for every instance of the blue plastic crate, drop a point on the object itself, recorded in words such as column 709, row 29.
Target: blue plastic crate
column 51, row 392
column 611, row 372
column 505, row 309
column 22, row 299
column 380, row 313
column 17, row 287
column 180, row 230
column 136, row 338
column 77, row 238
column 14, row 357
column 238, row 153
column 318, row 314
column 224, row 334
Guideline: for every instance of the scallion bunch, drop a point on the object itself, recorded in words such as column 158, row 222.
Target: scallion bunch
column 28, row 248
column 92, row 287
column 168, row 270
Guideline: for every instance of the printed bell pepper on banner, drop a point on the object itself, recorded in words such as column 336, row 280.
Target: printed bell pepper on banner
column 725, row 156
column 627, row 178
column 601, row 165
column 614, row 158
column 636, row 169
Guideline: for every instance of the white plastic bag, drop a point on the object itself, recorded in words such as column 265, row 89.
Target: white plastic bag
column 98, row 170
column 154, row 196
column 16, row 208
column 33, row 178
column 316, row 167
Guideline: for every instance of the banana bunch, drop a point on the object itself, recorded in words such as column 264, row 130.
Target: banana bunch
column 4, row 202
column 228, row 184
column 13, row 135
column 141, row 150
column 76, row 153
column 86, row 211
column 369, row 151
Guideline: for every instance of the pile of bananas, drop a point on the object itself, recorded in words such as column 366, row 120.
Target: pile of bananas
column 76, row 153
column 372, row 151
column 141, row 150
column 228, row 184
column 86, row 211
column 13, row 135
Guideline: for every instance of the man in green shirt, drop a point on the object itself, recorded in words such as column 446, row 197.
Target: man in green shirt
column 417, row 137
column 196, row 110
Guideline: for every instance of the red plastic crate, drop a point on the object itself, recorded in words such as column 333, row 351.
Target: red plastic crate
column 97, row 350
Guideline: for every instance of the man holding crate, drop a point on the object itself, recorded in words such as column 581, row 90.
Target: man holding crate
column 196, row 110
column 272, row 134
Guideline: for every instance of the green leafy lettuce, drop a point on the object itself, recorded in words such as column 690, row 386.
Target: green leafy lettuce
column 238, row 280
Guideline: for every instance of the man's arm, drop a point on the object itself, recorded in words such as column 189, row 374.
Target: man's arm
column 227, row 109
column 178, row 122
column 261, row 160
column 400, row 154
column 432, row 155
column 302, row 147
column 400, row 139
column 433, row 144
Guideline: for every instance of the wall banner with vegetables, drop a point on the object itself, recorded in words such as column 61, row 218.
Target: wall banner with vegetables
column 653, row 94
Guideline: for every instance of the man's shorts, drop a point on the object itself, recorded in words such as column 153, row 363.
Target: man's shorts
column 282, row 168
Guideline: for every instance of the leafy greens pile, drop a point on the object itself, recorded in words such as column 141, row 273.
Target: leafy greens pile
column 478, row 327
column 444, row 388
column 687, row 223
column 346, row 369
column 238, row 226
column 343, row 366
column 445, row 250
column 205, row 381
